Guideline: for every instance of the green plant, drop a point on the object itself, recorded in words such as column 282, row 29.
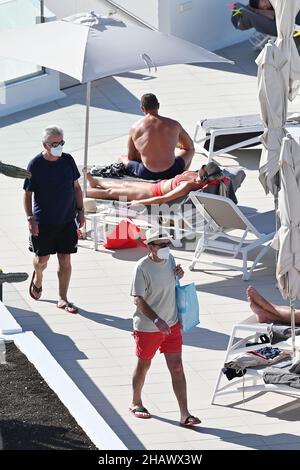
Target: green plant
column 13, row 171
column 12, row 277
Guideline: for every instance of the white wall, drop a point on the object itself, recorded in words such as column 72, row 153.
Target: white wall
column 62, row 8
column 204, row 22
column 26, row 93
column 146, row 10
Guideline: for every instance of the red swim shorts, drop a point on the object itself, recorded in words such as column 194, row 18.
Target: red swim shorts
column 147, row 343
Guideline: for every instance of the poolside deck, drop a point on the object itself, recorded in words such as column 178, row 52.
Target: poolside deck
column 96, row 347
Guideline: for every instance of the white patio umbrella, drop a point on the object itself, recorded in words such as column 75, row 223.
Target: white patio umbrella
column 287, row 238
column 88, row 46
column 286, row 11
column 278, row 81
column 272, row 94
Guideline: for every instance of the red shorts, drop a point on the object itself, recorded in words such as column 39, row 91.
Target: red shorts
column 147, row 343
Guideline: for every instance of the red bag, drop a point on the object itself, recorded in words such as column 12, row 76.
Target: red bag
column 125, row 235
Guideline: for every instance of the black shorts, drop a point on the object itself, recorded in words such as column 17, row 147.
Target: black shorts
column 140, row 171
column 53, row 239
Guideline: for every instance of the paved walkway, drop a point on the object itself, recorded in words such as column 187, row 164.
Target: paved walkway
column 96, row 346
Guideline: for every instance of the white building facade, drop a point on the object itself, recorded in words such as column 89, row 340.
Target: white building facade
column 22, row 85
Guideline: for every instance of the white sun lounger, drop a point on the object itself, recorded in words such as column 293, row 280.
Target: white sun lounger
column 213, row 128
column 230, row 233
column 243, row 333
column 249, row 126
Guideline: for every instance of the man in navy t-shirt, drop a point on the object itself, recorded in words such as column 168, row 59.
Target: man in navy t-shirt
column 53, row 213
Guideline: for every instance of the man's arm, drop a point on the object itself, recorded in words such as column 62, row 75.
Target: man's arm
column 79, row 204
column 132, row 153
column 149, row 313
column 32, row 224
column 185, row 145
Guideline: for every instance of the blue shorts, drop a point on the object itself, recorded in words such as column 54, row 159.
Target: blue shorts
column 140, row 171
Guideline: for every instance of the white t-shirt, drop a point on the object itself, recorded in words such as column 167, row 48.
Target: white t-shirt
column 155, row 282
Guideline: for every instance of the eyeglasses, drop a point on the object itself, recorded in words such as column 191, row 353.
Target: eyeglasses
column 56, row 144
column 162, row 245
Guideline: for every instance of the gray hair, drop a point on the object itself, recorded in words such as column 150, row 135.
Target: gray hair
column 52, row 130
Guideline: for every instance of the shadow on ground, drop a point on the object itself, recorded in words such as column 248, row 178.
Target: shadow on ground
column 62, row 346
column 250, row 440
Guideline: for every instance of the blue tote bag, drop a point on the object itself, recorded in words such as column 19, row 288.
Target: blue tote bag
column 187, row 305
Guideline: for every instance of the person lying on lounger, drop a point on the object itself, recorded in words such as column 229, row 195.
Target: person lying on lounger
column 261, row 5
column 269, row 313
column 164, row 191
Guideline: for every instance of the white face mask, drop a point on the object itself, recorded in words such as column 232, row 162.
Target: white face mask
column 56, row 151
column 163, row 253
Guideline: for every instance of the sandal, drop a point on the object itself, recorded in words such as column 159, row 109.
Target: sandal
column 68, row 307
column 190, row 421
column 34, row 291
column 140, row 412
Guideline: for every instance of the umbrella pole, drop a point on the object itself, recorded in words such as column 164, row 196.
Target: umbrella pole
column 293, row 326
column 277, row 218
column 86, row 139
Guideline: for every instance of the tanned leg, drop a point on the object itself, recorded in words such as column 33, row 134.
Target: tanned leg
column 93, row 182
column 175, row 366
column 264, row 316
column 138, row 381
column 127, row 190
column 64, row 276
column 258, row 299
column 39, row 264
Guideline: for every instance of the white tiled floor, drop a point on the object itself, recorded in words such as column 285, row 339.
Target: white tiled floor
column 96, row 346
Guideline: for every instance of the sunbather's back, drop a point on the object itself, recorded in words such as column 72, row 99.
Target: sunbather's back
column 155, row 137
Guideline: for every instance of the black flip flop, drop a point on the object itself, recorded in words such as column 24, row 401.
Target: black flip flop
column 140, row 412
column 34, row 291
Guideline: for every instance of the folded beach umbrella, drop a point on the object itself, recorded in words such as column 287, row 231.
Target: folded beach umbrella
column 278, row 81
column 286, row 12
column 273, row 98
column 287, row 238
column 88, row 46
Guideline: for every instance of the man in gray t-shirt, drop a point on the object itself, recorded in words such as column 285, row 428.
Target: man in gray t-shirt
column 155, row 322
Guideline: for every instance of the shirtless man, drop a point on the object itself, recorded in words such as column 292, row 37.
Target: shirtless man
column 267, row 312
column 152, row 141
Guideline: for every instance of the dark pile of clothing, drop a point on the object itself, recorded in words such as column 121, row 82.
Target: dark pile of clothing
column 114, row 170
column 283, row 376
column 261, row 357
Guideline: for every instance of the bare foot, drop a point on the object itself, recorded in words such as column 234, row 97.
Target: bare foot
column 262, row 315
column 253, row 295
column 93, row 182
